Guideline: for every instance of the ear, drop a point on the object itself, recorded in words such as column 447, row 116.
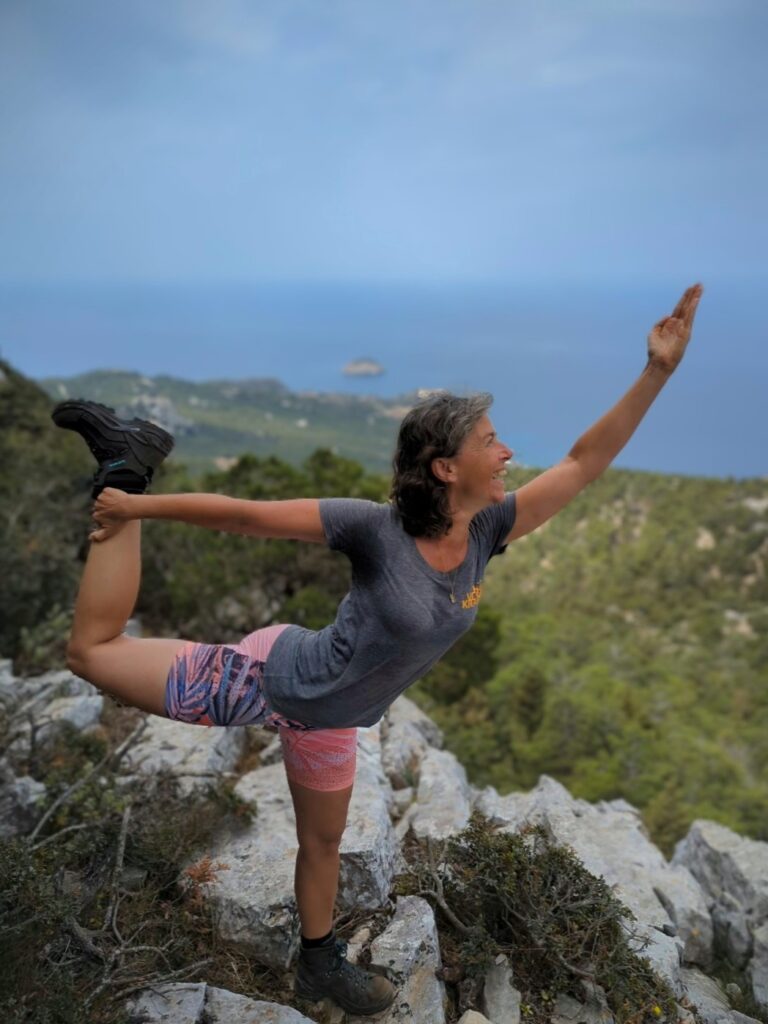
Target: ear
column 443, row 469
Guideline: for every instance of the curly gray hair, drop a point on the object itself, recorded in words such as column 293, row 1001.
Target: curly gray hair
column 435, row 428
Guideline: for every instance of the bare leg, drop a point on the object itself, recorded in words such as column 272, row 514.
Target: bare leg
column 133, row 670
column 320, row 821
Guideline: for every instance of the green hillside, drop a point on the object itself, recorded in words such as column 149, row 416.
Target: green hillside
column 621, row 648
column 223, row 419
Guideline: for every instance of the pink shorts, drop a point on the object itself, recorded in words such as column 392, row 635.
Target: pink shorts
column 214, row 684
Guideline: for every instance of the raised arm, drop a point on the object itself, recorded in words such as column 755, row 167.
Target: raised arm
column 538, row 500
column 298, row 519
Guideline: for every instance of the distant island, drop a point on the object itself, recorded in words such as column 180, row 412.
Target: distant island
column 363, row 368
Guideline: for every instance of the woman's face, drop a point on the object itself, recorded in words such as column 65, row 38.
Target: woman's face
column 477, row 470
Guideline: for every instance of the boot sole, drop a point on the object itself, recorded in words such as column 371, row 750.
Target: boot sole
column 305, row 992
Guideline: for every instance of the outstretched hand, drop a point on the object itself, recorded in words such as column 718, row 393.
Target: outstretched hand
column 111, row 509
column 668, row 339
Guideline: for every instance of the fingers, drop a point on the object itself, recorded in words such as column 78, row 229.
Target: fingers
column 685, row 310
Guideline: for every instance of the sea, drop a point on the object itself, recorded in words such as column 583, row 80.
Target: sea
column 556, row 357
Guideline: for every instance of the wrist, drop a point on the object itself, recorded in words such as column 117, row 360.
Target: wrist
column 133, row 506
column 658, row 368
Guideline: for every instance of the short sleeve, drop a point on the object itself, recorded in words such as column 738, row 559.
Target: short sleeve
column 493, row 525
column 348, row 523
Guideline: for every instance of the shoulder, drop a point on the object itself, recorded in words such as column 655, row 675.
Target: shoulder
column 492, row 524
column 349, row 521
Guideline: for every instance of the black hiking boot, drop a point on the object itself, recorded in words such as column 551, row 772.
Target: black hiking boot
column 325, row 971
column 128, row 451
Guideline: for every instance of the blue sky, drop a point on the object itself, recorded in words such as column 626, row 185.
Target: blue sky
column 395, row 140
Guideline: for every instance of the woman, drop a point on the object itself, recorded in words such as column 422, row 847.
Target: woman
column 417, row 569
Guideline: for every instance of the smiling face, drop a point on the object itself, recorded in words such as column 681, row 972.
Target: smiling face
column 475, row 475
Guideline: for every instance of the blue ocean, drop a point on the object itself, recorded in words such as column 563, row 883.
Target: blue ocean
column 555, row 357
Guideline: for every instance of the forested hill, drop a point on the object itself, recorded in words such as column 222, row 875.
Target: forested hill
column 216, row 421
column 621, row 648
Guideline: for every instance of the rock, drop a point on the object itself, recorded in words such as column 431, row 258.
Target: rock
column 195, row 754
column 80, row 712
column 170, row 1004
column 473, row 1017
column 20, row 800
column 223, row 1007
column 369, row 848
column 732, row 871
column 501, row 1000
column 609, row 838
column 706, row 994
column 409, row 948
column 201, row 1004
column 594, row 1010
column 357, row 942
column 407, row 733
column 683, row 899
column 442, row 805
column 402, row 800
column 32, row 696
column 272, row 752
column 253, row 898
column 757, row 971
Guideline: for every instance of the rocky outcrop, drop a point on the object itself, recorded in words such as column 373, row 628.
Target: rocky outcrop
column 711, row 897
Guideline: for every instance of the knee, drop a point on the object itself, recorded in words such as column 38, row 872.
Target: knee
column 77, row 659
column 319, row 846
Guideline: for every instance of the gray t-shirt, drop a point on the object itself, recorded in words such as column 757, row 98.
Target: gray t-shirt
column 396, row 621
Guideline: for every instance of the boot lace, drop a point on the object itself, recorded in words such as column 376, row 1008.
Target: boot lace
column 347, row 970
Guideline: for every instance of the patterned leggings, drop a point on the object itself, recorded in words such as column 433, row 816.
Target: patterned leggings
column 213, row 684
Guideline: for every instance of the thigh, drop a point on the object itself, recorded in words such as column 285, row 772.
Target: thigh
column 133, row 670
column 321, row 763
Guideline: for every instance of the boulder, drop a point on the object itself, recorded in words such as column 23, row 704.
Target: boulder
column 223, row 1007
column 442, row 805
column 501, row 1000
column 20, row 799
column 732, row 871
column 407, row 733
column 169, row 1004
column 196, row 755
column 409, row 949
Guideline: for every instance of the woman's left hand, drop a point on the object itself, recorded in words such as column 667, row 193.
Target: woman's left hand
column 668, row 339
column 112, row 508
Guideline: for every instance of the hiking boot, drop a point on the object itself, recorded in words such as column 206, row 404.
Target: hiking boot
column 325, row 971
column 128, row 451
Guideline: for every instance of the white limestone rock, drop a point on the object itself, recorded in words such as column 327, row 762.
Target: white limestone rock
column 81, row 713
column 473, row 1017
column 501, row 1000
column 169, row 1004
column 757, row 970
column 195, row 754
column 732, row 870
column 407, row 733
column 685, row 902
column 223, row 1007
column 712, row 1006
column 253, row 898
column 370, row 852
column 19, row 801
column 568, row 1010
column 409, row 949
column 405, row 710
column 442, row 806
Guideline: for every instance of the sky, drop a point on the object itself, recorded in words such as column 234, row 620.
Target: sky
column 197, row 188
column 406, row 140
